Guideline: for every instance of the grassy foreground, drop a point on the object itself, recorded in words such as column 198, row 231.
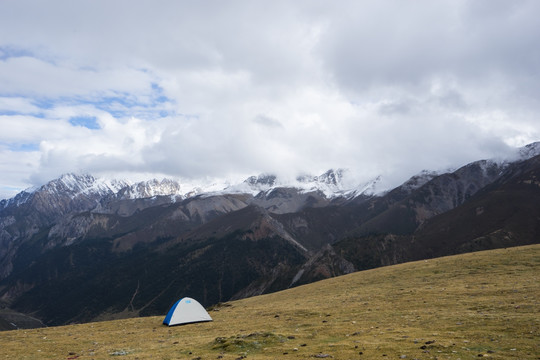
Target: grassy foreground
column 475, row 305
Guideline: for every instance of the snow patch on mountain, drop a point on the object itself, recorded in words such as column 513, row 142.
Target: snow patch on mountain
column 82, row 184
column 72, row 186
column 419, row 180
column 529, row 151
column 18, row 199
column 152, row 188
column 333, row 183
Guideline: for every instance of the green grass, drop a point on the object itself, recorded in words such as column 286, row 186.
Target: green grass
column 460, row 307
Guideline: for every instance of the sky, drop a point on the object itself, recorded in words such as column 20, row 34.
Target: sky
column 226, row 89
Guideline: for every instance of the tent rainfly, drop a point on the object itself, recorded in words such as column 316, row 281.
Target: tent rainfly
column 186, row 311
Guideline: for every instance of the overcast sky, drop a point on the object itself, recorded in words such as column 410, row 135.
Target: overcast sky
column 196, row 89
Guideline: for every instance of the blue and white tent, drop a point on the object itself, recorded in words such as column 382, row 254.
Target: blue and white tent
column 186, row 311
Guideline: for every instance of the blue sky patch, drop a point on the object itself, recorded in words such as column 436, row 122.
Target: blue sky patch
column 43, row 103
column 89, row 122
column 8, row 113
column 23, row 147
column 7, row 52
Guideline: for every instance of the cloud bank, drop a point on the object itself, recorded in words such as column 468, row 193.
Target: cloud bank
column 221, row 89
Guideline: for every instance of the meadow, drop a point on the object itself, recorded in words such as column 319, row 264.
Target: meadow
column 483, row 304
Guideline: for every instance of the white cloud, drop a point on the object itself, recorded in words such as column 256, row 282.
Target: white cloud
column 26, row 129
column 17, row 105
column 222, row 88
column 31, row 76
column 16, row 168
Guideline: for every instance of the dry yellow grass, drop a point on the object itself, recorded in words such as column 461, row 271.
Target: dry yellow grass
column 461, row 307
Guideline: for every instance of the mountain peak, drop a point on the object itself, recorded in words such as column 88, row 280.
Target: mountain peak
column 418, row 180
column 72, row 184
column 263, row 179
column 332, row 177
column 530, row 150
column 151, row 188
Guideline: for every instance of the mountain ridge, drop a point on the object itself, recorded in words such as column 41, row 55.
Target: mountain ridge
column 332, row 183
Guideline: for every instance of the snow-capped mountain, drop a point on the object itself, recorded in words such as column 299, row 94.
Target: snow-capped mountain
column 71, row 186
column 529, row 151
column 151, row 188
column 83, row 184
column 86, row 186
column 332, row 184
column 418, row 180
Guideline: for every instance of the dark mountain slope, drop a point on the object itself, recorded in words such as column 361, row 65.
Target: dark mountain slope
column 87, row 281
column 12, row 320
column 244, row 252
column 147, row 224
column 398, row 212
column 441, row 194
column 504, row 213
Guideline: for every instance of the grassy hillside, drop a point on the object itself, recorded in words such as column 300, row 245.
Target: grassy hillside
column 459, row 307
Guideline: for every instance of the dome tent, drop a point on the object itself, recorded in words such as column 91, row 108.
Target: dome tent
column 186, row 311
